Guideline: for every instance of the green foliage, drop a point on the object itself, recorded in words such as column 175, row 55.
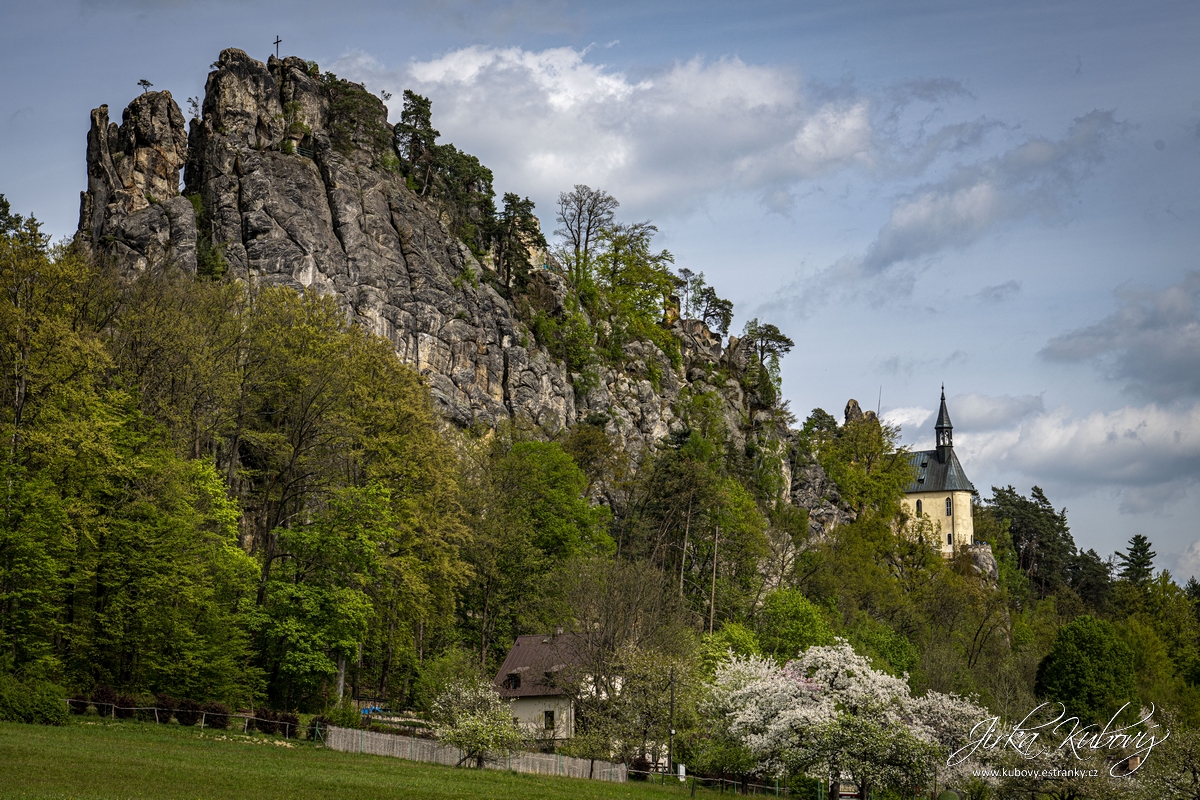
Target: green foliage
column 769, row 346
column 1137, row 564
column 570, row 339
column 210, row 256
column 789, row 623
column 733, row 638
column 344, row 715
column 1040, row 536
column 863, row 459
column 888, row 649
column 543, row 493
column 315, row 602
column 356, row 118
column 456, row 179
column 516, row 233
column 1090, row 670
column 439, row 672
column 701, row 302
column 32, row 702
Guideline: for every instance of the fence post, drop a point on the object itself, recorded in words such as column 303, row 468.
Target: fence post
column 202, row 714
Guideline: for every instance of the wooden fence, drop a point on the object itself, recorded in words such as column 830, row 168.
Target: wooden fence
column 388, row 744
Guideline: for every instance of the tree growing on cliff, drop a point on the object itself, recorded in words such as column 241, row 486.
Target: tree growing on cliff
column 583, row 212
column 770, row 345
column 517, row 232
column 416, row 139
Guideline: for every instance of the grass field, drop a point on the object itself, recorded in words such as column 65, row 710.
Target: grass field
column 91, row 759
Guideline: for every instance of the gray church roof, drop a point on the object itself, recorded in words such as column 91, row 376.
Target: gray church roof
column 934, row 476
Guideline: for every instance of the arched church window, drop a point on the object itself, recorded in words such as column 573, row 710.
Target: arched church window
column 948, row 507
column 918, row 508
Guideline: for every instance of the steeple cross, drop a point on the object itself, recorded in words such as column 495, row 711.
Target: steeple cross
column 276, row 43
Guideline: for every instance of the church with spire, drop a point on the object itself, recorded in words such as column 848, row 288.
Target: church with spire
column 940, row 491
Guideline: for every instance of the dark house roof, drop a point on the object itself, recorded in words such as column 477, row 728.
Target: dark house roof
column 937, row 476
column 537, row 666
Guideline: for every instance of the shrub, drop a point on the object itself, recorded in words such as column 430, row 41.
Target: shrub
column 33, row 702
column 346, row 715
column 126, row 705
column 79, row 703
column 639, row 768
column 289, row 724
column 146, row 704
column 166, row 706
column 104, row 698
column 188, row 712
column 265, row 720
column 318, row 722
column 216, row 715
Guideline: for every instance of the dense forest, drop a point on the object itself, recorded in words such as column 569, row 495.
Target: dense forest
column 230, row 492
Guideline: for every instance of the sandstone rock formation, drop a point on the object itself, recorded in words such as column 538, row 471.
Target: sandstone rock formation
column 132, row 210
column 284, row 186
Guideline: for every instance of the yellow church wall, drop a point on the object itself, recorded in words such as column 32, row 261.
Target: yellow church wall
column 958, row 523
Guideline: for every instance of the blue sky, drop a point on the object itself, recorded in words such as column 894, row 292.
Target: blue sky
column 1001, row 197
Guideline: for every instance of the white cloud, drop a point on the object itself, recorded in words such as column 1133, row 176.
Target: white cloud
column 909, row 419
column 545, row 120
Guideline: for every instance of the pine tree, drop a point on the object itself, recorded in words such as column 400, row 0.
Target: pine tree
column 1137, row 564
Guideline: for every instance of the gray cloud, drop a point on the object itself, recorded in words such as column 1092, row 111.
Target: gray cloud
column 903, row 366
column 986, row 412
column 1152, row 342
column 1149, row 454
column 998, row 293
column 1034, row 178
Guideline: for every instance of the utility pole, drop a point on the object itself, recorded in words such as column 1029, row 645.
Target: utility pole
column 671, row 734
column 712, row 596
column 683, row 559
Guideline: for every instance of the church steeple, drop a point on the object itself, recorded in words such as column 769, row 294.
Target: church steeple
column 944, row 430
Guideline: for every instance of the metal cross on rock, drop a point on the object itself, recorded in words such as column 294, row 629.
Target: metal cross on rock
column 276, row 43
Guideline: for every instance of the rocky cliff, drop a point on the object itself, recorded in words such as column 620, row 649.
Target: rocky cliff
column 285, row 183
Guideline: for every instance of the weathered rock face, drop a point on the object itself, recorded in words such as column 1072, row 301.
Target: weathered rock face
column 812, row 489
column 132, row 211
column 283, row 201
column 985, row 561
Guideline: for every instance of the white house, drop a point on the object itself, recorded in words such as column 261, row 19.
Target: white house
column 533, row 679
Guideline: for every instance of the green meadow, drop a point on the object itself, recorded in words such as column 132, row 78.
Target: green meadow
column 94, row 760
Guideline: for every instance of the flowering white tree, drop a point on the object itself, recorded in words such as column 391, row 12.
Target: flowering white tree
column 470, row 715
column 829, row 713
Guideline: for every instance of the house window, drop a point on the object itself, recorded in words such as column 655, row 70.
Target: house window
column 950, row 539
column 918, row 508
column 947, row 506
column 513, row 681
column 549, row 720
